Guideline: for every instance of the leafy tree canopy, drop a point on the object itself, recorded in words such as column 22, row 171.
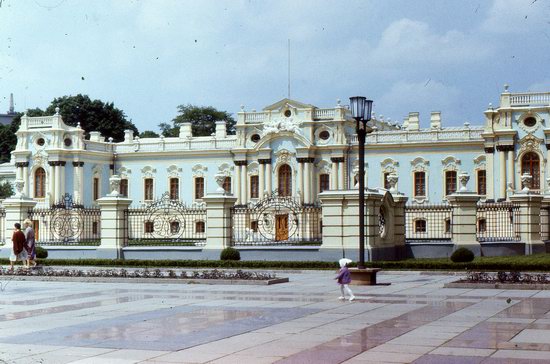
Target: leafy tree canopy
column 93, row 115
column 148, row 134
column 6, row 190
column 202, row 119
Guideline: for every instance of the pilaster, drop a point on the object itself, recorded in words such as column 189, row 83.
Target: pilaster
column 113, row 226
column 529, row 220
column 464, row 221
column 218, row 218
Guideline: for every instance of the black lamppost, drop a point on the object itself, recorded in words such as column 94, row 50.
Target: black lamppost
column 361, row 110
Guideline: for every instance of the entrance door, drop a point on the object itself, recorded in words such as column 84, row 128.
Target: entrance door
column 281, row 227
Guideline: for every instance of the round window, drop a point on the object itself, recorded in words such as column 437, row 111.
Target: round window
column 324, row 135
column 40, row 141
column 530, row 122
column 288, row 113
column 68, row 142
column 255, row 138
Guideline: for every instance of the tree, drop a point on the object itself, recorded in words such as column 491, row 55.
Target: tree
column 8, row 139
column 93, row 115
column 5, row 190
column 148, row 134
column 202, row 119
column 168, row 130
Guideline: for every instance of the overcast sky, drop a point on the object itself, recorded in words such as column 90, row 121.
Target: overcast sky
column 148, row 57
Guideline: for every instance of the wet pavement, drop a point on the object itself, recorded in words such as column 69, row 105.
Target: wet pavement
column 413, row 320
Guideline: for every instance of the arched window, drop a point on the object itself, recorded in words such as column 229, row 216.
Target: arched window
column 40, row 183
column 530, row 163
column 285, row 180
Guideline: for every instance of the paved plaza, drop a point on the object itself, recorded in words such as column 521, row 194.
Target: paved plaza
column 413, row 320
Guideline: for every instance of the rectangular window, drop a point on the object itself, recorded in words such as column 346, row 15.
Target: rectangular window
column 450, row 182
column 481, row 182
column 94, row 228
column 324, row 182
column 124, row 187
column 148, row 189
column 199, row 187
column 96, row 188
column 386, row 182
column 227, row 184
column 174, row 188
column 419, row 184
column 254, row 186
column 420, row 226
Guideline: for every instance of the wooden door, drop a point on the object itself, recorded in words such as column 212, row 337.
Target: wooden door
column 281, row 227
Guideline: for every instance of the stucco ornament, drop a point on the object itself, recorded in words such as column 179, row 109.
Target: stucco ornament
column 275, row 126
column 463, row 177
column 114, row 184
column 19, row 184
column 220, row 178
column 526, row 180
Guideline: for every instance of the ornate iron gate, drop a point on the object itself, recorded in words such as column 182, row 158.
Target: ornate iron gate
column 166, row 222
column 276, row 220
column 66, row 223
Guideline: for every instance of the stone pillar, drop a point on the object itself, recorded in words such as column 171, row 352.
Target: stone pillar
column 502, row 172
column 261, row 180
column 22, row 173
column 338, row 173
column 17, row 210
column 510, row 169
column 464, row 223
column 529, row 220
column 61, row 183
column 238, row 183
column 244, row 195
column 78, row 182
column 490, row 172
column 52, row 183
column 268, row 177
column 399, row 226
column 218, row 220
column 341, row 175
column 334, row 176
column 113, row 224
column 301, row 179
column 57, row 187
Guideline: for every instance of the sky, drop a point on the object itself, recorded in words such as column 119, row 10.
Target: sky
column 149, row 56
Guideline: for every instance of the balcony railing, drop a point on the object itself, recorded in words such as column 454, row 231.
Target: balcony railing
column 446, row 134
column 530, row 98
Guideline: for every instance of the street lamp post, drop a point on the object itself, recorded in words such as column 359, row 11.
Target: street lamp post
column 361, row 110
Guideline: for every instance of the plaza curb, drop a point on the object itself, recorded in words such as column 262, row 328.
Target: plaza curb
column 517, row 286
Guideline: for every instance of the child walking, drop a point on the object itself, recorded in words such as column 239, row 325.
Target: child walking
column 344, row 279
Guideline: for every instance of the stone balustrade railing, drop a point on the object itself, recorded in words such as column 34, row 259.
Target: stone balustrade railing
column 40, row 122
column 530, row 98
column 324, row 114
column 446, row 134
column 176, row 144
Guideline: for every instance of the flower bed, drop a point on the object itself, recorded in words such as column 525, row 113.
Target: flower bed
column 503, row 280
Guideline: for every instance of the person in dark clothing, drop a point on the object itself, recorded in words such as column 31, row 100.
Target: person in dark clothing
column 19, row 253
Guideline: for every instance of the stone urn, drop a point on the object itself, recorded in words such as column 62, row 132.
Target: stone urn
column 526, row 180
column 19, row 184
column 114, row 184
column 392, row 179
column 463, row 178
column 220, row 179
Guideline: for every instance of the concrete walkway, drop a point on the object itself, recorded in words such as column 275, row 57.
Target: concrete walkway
column 413, row 320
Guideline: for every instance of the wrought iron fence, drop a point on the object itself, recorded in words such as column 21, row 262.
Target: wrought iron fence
column 276, row 220
column 166, row 222
column 497, row 222
column 66, row 223
column 2, row 226
column 428, row 223
column 545, row 223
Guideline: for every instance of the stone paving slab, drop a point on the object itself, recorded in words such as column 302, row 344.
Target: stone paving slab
column 414, row 320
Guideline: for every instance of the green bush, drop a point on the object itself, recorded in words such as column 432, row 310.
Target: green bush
column 230, row 254
column 41, row 253
column 462, row 255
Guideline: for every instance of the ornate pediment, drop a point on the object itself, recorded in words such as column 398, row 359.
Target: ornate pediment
column 148, row 171
column 285, row 103
column 199, row 170
column 420, row 164
column 450, row 162
column 173, row 171
column 530, row 143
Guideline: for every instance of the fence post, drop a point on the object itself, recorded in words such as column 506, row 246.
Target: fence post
column 17, row 210
column 335, row 218
column 113, row 222
column 218, row 220
column 464, row 218
column 529, row 220
column 545, row 218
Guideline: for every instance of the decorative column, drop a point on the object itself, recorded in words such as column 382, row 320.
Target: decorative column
column 307, row 181
column 510, row 168
column 341, row 174
column 261, row 179
column 52, row 182
column 502, row 171
column 301, row 178
column 22, row 173
column 238, row 183
column 464, row 217
column 489, row 175
column 16, row 209
column 548, row 164
column 529, row 217
column 113, row 225
column 334, row 175
column 62, row 181
column 244, row 195
column 338, row 172
column 268, row 177
column 78, row 182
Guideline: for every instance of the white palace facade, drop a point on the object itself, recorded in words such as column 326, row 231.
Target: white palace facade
column 298, row 149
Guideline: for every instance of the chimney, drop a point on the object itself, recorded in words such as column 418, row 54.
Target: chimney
column 414, row 121
column 128, row 136
column 12, row 109
column 221, row 132
column 435, row 120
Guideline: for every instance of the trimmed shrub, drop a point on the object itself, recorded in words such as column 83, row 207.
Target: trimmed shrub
column 41, row 253
column 230, row 254
column 462, row 255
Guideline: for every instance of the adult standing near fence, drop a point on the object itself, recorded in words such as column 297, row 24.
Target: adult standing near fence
column 19, row 253
column 30, row 243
